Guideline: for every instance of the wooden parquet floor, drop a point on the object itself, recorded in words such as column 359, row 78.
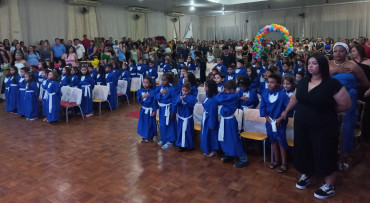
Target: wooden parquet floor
column 100, row 159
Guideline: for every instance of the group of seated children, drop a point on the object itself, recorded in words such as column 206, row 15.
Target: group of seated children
column 227, row 90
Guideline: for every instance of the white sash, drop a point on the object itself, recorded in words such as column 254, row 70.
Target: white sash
column 30, row 91
column 204, row 119
column 22, row 89
column 147, row 110
column 273, row 125
column 50, row 101
column 221, row 130
column 108, row 85
column 184, row 125
column 87, row 90
column 166, row 112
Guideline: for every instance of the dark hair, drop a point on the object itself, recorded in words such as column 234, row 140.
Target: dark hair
column 31, row 76
column 290, row 79
column 109, row 66
column 221, row 74
column 87, row 70
column 68, row 70
column 240, row 61
column 212, row 88
column 225, row 47
column 75, row 68
column 230, row 84
column 300, row 73
column 55, row 75
column 150, row 81
column 16, row 70
column 254, row 72
column 187, row 85
column 231, row 66
column 360, row 49
column 185, row 68
column 25, row 69
column 101, row 70
column 276, row 77
column 244, row 80
column 192, row 79
column 323, row 66
column 46, row 71
column 63, row 62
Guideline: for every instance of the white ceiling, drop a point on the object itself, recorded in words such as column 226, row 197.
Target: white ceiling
column 206, row 8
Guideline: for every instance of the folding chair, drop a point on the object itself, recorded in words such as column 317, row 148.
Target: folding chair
column 254, row 128
column 159, row 79
column 100, row 95
column 358, row 128
column 72, row 98
column 135, row 86
column 121, row 90
column 198, row 116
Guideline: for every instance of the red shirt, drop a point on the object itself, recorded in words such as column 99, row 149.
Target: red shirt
column 367, row 49
column 86, row 43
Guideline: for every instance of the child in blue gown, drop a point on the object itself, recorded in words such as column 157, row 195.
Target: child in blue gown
column 184, row 106
column 141, row 69
column 87, row 86
column 147, row 125
column 252, row 75
column 248, row 97
column 165, row 95
column 263, row 84
column 132, row 68
column 209, row 128
column 228, row 135
column 22, row 90
column 190, row 64
column 220, row 66
column 53, row 98
column 65, row 78
column 44, row 86
column 273, row 103
column 153, row 71
column 111, row 81
column 240, row 70
column 31, row 107
column 190, row 77
column 11, row 90
column 219, row 79
column 75, row 77
column 126, row 76
column 100, row 76
column 230, row 73
column 166, row 66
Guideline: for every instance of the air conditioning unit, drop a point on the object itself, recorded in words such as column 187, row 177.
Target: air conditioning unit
column 175, row 14
column 139, row 10
column 84, row 3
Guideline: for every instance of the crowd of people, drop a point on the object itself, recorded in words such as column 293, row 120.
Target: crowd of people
column 314, row 83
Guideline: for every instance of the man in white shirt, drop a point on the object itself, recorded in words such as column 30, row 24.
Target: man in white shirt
column 116, row 48
column 80, row 49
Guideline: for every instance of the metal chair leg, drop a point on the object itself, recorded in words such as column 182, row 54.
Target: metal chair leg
column 81, row 112
column 272, row 155
column 109, row 105
column 264, row 150
column 67, row 114
column 99, row 108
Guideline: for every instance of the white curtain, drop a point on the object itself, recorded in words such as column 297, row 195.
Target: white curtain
column 48, row 23
column 136, row 26
column 112, row 21
column 156, row 24
column 81, row 23
column 10, row 26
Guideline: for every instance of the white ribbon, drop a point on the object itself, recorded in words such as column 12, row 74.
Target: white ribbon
column 273, row 125
column 230, row 77
column 14, row 85
column 204, row 119
column 108, row 85
column 184, row 125
column 166, row 112
column 141, row 78
column 51, row 101
column 22, row 89
column 221, row 130
column 147, row 110
column 87, row 90
column 30, row 91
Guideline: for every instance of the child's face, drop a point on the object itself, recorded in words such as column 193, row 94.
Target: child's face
column 27, row 77
column 300, row 63
column 287, row 85
column 228, row 91
column 146, row 84
column 271, row 63
column 22, row 73
column 219, row 61
column 285, row 60
column 188, row 60
column 258, row 65
column 84, row 70
column 273, row 84
column 12, row 71
column 124, row 66
column 73, row 71
column 164, row 81
column 218, row 79
column 285, row 67
column 267, row 74
column 243, row 87
column 151, row 65
column 44, row 75
column 107, row 69
column 185, row 91
column 186, row 79
column 230, row 70
column 205, row 87
column 140, row 61
column 239, row 65
column 64, row 71
column 183, row 72
column 91, row 69
column 249, row 72
column 40, row 65
column 298, row 77
column 181, row 60
column 50, row 75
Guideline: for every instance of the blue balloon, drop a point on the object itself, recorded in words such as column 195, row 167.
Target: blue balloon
column 287, row 38
column 261, row 30
column 277, row 30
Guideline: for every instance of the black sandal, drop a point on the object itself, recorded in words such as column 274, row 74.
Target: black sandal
column 283, row 168
column 274, row 164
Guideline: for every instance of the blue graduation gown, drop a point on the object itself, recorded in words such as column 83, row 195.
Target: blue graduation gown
column 21, row 100
column 253, row 100
column 185, row 109
column 280, row 65
column 133, row 71
column 209, row 137
column 287, row 72
column 263, row 87
column 221, row 68
column 141, row 70
column 289, row 94
column 125, row 75
column 298, row 68
column 117, row 72
column 180, row 65
column 240, row 71
column 231, row 144
column 111, row 80
column 194, row 91
column 273, row 103
column 220, row 87
column 75, row 81
column 87, row 86
column 166, row 68
column 100, row 79
column 65, row 80
column 40, row 78
column 53, row 101
column 191, row 67
column 45, row 105
column 31, row 108
column 168, row 132
column 147, row 125
column 230, row 77
column 11, row 92
column 255, row 82
column 153, row 73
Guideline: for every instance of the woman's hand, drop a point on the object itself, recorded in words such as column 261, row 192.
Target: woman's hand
column 145, row 96
column 283, row 116
column 367, row 93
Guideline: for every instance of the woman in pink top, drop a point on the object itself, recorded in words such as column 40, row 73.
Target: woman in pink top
column 70, row 57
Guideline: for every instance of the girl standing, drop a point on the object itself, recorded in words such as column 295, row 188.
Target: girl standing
column 53, row 98
column 87, row 85
column 22, row 90
column 111, row 81
column 31, row 107
column 11, row 90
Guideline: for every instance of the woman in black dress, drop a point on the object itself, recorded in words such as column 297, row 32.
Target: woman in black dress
column 318, row 98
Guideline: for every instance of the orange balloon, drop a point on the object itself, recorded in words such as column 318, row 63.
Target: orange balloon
column 258, row 39
column 287, row 32
column 264, row 28
column 290, row 37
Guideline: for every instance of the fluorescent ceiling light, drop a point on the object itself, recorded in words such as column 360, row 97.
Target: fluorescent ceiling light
column 230, row 2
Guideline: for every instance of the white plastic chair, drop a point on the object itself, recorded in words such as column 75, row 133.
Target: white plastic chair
column 135, row 86
column 239, row 118
column 66, row 91
column 73, row 99
column 121, row 90
column 100, row 95
column 198, row 116
column 159, row 79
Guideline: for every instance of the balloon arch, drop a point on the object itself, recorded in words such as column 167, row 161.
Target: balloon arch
column 257, row 44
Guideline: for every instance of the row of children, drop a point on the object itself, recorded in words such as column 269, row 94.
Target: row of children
column 219, row 127
column 48, row 83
